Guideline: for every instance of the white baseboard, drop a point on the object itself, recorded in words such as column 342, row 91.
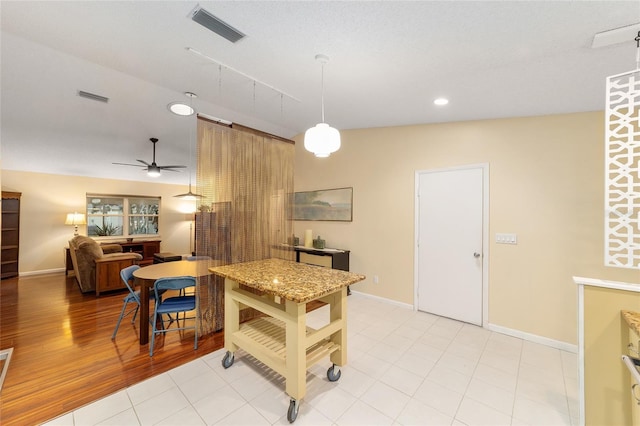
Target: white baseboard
column 382, row 299
column 42, row 272
column 557, row 344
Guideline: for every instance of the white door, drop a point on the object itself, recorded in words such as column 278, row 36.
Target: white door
column 450, row 238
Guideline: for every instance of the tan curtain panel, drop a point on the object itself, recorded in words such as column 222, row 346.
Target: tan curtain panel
column 245, row 214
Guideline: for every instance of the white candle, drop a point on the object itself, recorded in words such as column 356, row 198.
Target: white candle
column 308, row 238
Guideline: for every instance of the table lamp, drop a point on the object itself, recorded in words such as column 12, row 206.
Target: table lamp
column 75, row 219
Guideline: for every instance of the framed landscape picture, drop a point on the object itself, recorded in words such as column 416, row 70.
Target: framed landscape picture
column 324, row 204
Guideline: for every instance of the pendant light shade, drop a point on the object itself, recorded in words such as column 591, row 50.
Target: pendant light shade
column 189, row 196
column 322, row 139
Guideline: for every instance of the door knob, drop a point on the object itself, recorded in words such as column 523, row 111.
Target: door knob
column 476, row 255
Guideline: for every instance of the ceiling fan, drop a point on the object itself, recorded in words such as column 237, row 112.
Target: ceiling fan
column 153, row 169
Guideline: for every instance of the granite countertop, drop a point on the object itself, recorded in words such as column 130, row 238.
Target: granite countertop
column 633, row 320
column 297, row 282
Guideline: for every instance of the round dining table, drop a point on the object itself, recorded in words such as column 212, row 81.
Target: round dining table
column 146, row 276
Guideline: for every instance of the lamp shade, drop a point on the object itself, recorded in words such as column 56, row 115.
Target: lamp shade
column 322, row 140
column 189, row 196
column 75, row 219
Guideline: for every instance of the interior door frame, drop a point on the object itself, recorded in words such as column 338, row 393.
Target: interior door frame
column 485, row 233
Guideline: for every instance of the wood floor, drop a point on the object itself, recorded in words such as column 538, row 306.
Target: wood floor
column 63, row 355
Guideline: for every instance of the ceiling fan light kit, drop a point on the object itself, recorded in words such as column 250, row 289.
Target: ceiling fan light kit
column 322, row 140
column 153, row 171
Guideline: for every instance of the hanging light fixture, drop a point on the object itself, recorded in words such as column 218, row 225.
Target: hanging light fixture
column 190, row 196
column 322, row 139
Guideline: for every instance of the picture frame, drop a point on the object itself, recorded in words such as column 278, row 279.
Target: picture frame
column 324, row 205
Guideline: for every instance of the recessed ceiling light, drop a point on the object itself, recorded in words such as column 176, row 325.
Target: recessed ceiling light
column 441, row 101
column 179, row 108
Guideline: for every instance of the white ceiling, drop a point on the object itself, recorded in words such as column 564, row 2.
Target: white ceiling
column 389, row 60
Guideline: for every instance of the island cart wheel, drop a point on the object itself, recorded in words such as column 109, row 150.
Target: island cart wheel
column 333, row 373
column 227, row 361
column 292, row 413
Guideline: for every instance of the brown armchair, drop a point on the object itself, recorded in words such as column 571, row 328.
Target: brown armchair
column 97, row 268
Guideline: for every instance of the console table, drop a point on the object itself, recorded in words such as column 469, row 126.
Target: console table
column 145, row 248
column 328, row 257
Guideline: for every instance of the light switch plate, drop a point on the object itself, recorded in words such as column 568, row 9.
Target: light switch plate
column 506, row 239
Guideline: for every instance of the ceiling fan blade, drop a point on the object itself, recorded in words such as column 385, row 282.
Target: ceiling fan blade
column 170, row 170
column 127, row 164
column 143, row 162
column 172, row 167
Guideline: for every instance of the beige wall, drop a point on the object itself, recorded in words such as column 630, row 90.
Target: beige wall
column 546, row 186
column 46, row 200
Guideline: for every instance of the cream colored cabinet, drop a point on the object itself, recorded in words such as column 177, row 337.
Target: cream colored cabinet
column 604, row 340
column 633, row 347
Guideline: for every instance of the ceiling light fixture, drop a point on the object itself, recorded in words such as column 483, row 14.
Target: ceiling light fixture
column 189, row 196
column 322, row 139
column 153, row 171
column 180, row 108
column 441, row 101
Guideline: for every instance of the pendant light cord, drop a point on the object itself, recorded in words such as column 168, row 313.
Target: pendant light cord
column 322, row 93
column 190, row 160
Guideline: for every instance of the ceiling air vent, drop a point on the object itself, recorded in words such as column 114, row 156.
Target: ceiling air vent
column 92, row 96
column 216, row 25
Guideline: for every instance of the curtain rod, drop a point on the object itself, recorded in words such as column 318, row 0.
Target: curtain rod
column 237, row 126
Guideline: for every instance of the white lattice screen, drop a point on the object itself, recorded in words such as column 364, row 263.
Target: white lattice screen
column 622, row 171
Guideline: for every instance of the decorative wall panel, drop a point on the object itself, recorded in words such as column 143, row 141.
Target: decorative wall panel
column 622, row 171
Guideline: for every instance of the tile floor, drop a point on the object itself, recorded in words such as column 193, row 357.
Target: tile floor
column 405, row 368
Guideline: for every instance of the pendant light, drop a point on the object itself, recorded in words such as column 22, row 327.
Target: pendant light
column 190, row 196
column 322, row 139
